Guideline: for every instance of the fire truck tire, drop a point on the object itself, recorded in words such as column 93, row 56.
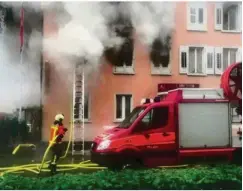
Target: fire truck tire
column 131, row 159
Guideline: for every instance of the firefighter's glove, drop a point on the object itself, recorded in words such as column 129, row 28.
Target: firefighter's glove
column 59, row 138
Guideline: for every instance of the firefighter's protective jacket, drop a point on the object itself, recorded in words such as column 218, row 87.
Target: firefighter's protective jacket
column 57, row 131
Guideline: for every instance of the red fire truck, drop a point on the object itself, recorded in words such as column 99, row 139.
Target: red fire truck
column 185, row 125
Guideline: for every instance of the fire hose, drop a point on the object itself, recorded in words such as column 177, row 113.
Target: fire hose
column 40, row 167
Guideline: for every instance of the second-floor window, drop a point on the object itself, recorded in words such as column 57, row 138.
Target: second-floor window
column 225, row 56
column 228, row 16
column 160, row 57
column 192, row 59
column 198, row 60
column 122, row 57
column 196, row 16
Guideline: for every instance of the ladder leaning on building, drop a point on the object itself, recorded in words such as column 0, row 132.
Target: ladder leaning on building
column 78, row 111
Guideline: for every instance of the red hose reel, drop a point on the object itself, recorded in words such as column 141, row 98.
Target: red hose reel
column 231, row 82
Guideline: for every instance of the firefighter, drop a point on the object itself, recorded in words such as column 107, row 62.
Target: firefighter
column 57, row 130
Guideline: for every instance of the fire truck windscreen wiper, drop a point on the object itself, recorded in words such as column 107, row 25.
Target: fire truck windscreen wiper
column 127, row 122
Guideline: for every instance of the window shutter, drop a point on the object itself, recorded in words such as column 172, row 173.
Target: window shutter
column 183, row 59
column 240, row 16
column 203, row 10
column 218, row 16
column 209, row 60
column 218, row 55
column 239, row 55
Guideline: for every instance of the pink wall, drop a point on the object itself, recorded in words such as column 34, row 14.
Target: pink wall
column 140, row 85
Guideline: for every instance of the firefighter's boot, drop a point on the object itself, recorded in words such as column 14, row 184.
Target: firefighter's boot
column 53, row 168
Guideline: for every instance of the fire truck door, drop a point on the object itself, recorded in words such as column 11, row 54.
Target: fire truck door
column 157, row 135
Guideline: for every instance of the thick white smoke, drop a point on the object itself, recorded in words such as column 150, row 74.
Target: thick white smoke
column 19, row 83
column 83, row 33
column 152, row 20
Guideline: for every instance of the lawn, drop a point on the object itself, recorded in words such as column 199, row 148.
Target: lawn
column 201, row 177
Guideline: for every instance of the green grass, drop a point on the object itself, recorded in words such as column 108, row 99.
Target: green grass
column 204, row 177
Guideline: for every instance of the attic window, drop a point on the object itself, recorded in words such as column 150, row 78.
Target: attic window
column 122, row 58
column 160, row 56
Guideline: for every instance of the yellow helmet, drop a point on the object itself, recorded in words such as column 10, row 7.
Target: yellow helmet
column 59, row 117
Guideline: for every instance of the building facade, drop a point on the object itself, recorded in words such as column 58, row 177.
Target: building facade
column 206, row 40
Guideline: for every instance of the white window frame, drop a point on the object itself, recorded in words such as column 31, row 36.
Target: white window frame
column 123, row 106
column 197, row 26
column 219, row 50
column 165, row 71
column 186, row 70
column 130, row 70
column 218, row 15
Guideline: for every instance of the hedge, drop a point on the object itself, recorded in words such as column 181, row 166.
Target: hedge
column 205, row 177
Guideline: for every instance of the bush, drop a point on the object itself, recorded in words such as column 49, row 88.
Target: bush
column 216, row 178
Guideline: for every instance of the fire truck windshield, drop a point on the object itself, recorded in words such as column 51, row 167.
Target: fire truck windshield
column 127, row 122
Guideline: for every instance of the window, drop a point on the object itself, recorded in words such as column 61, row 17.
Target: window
column 86, row 107
column 154, row 119
column 228, row 16
column 192, row 60
column 229, row 57
column 47, row 79
column 195, row 60
column 160, row 57
column 197, row 16
column 123, row 106
column 207, row 60
column 224, row 57
column 122, row 58
column 78, row 107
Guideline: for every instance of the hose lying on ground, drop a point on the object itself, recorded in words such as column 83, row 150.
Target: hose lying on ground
column 62, row 167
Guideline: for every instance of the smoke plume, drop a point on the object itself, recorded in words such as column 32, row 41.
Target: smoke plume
column 84, row 34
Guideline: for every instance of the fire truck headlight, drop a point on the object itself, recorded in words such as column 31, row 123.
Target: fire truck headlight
column 104, row 145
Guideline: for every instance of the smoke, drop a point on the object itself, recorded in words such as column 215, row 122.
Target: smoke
column 84, row 34
column 152, row 20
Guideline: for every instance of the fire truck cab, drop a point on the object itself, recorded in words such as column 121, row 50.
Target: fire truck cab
column 186, row 125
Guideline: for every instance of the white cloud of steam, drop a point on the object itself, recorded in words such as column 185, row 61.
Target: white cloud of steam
column 86, row 34
column 83, row 32
column 16, row 78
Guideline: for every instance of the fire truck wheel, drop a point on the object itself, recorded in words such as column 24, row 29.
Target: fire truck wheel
column 133, row 163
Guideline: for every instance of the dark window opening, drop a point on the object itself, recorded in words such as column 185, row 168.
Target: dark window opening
column 124, row 54
column 47, row 77
column 118, row 107
column 160, row 53
column 86, row 107
column 183, row 60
